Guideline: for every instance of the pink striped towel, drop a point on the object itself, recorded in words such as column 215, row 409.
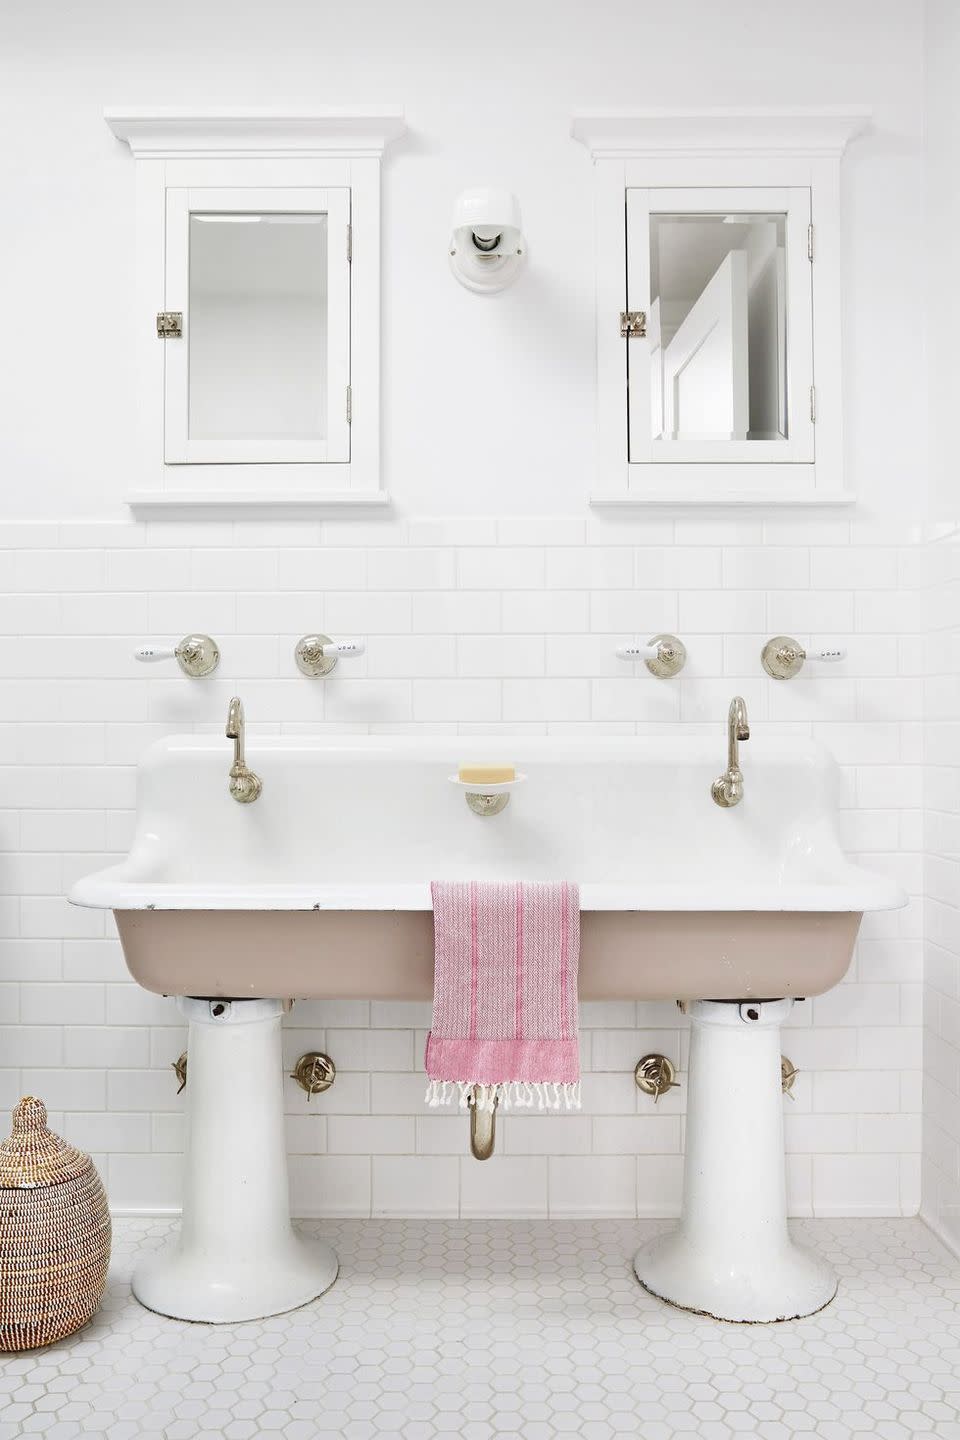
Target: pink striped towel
column 505, row 995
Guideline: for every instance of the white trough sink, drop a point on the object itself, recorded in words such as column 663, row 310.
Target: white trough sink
column 679, row 897
column 321, row 888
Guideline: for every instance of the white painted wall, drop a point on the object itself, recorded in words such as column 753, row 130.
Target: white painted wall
column 486, row 400
column 491, row 599
column 942, row 160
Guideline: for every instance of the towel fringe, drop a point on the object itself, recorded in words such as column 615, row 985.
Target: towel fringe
column 510, row 1094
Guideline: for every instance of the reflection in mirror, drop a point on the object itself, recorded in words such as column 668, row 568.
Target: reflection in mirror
column 717, row 326
column 258, row 326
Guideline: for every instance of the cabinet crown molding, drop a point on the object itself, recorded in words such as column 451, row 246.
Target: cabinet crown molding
column 813, row 130
column 165, row 132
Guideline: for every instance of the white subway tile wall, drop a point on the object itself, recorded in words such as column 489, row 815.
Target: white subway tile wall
column 472, row 624
column 941, row 997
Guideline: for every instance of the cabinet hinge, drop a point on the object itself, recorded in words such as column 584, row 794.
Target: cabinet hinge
column 349, row 244
column 633, row 324
column 170, row 324
column 813, row 404
column 809, row 242
column 349, row 404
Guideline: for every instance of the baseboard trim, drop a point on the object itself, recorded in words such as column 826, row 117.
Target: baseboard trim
column 937, row 1230
column 865, row 1212
column 145, row 1212
column 879, row 1212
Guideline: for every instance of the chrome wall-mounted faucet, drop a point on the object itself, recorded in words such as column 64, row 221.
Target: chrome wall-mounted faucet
column 245, row 787
column 727, row 789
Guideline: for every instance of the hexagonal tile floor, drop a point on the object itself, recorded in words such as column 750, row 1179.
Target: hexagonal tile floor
column 534, row 1329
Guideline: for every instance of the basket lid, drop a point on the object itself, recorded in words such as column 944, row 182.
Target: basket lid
column 32, row 1155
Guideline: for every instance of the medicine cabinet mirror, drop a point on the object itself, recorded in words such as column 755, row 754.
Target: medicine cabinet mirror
column 261, row 368
column 257, row 306
column 718, row 327
column 718, row 306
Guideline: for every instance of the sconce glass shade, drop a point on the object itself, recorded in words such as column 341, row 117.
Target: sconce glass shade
column 487, row 248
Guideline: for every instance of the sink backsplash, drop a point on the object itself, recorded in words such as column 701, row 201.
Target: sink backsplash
column 512, row 622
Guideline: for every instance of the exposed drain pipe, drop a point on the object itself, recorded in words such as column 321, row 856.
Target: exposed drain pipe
column 483, row 1123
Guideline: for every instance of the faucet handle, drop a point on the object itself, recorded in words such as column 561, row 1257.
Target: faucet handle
column 783, row 657
column 318, row 654
column 663, row 655
column 197, row 655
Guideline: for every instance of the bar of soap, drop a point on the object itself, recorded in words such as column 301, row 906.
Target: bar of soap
column 486, row 774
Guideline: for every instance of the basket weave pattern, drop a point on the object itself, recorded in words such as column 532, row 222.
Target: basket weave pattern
column 54, row 1233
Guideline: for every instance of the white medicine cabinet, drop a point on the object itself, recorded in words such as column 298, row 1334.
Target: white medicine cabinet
column 718, row 305
column 257, row 306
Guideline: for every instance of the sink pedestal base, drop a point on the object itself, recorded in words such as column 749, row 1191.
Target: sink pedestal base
column 237, row 1256
column 732, row 1256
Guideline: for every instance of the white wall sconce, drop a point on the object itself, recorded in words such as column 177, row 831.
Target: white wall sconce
column 487, row 248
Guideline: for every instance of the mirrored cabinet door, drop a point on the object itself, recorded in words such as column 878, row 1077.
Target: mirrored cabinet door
column 724, row 371
column 260, row 372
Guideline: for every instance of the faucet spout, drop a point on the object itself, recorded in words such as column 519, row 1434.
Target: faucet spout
column 245, row 786
column 727, row 789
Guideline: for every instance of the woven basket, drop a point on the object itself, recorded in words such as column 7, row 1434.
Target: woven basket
column 54, row 1233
